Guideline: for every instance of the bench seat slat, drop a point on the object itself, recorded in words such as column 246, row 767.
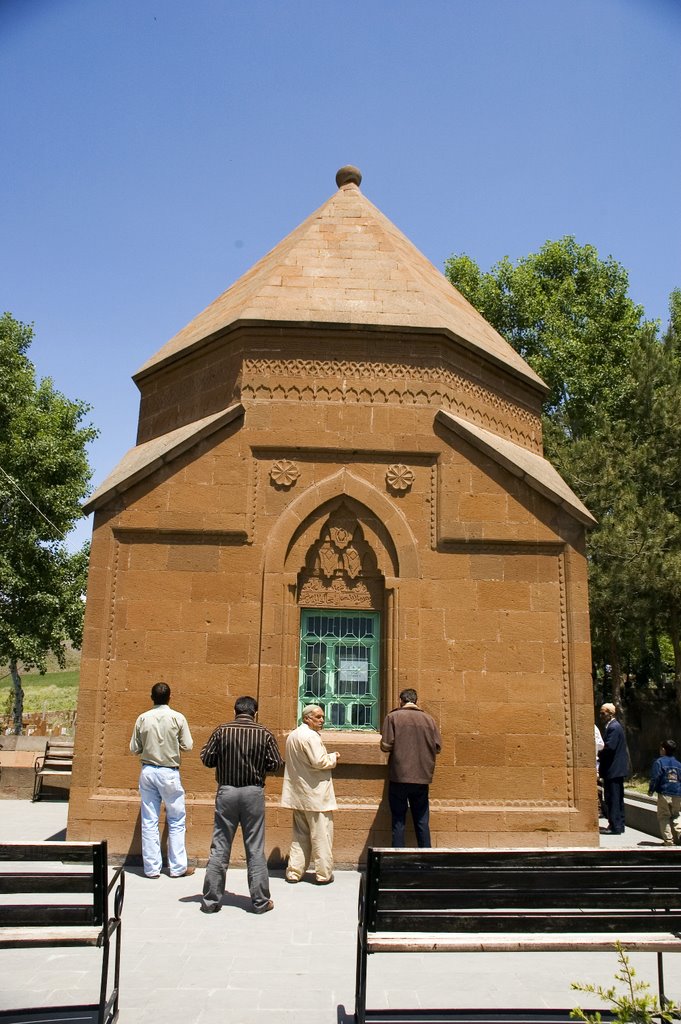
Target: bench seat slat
column 468, row 1016
column 86, row 1014
column 13, row 938
column 396, row 942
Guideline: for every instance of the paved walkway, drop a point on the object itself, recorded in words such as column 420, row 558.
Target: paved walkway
column 295, row 964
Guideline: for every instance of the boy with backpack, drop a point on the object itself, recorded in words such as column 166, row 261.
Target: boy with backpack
column 665, row 780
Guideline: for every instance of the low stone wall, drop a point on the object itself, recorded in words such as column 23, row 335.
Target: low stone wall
column 17, row 760
column 18, row 755
column 640, row 812
column 39, row 723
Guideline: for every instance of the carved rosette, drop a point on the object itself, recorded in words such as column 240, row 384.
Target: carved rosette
column 399, row 478
column 284, row 473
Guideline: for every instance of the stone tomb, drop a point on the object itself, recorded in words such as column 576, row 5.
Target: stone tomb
column 338, row 490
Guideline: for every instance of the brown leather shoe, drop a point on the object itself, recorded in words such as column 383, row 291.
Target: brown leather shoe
column 189, row 871
column 265, row 907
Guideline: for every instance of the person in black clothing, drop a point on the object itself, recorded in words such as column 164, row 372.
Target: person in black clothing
column 613, row 767
column 242, row 753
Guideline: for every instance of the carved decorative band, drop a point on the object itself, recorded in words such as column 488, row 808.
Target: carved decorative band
column 422, row 384
column 349, row 802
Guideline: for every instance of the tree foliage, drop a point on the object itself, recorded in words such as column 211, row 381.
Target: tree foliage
column 612, row 426
column 44, row 476
column 567, row 313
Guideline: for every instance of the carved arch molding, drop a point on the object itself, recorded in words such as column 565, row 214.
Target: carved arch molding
column 341, row 568
column 340, row 553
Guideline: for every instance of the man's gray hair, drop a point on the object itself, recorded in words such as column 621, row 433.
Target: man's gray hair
column 310, row 709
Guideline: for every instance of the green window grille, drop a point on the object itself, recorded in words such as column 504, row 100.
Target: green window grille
column 339, row 666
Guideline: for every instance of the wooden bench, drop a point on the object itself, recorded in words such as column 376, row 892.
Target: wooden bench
column 57, row 895
column 512, row 901
column 56, row 763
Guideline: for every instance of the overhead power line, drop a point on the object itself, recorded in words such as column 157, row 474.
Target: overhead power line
column 25, row 495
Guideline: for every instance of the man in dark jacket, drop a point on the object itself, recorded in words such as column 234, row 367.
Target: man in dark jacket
column 613, row 767
column 413, row 740
column 665, row 780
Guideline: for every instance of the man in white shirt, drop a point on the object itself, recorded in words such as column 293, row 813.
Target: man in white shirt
column 158, row 737
column 308, row 791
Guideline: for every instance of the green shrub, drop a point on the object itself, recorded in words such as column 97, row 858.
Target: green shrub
column 635, row 1005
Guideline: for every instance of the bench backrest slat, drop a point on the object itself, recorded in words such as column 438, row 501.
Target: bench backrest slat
column 67, row 853
column 544, row 879
column 564, row 921
column 51, row 886
column 510, row 899
column 52, row 916
column 433, row 860
column 41, row 882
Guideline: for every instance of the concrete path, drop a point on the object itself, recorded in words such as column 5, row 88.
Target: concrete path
column 295, row 964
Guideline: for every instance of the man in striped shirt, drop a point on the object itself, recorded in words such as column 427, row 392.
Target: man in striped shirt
column 242, row 753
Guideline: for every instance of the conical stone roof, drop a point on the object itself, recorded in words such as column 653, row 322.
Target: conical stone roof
column 347, row 264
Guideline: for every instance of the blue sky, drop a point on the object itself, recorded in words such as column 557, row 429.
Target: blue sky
column 153, row 150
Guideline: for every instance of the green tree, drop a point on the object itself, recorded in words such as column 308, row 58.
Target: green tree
column 655, row 426
column 44, row 476
column 568, row 313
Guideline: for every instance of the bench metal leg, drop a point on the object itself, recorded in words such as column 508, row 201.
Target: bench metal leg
column 660, row 981
column 361, row 983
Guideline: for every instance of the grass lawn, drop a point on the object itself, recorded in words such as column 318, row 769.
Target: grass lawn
column 55, row 691
column 637, row 782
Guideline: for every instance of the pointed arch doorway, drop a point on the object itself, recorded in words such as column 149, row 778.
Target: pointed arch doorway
column 305, row 570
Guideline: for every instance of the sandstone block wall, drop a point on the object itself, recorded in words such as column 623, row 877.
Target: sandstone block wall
column 199, row 571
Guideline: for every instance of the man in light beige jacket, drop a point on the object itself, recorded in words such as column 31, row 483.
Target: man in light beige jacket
column 308, row 791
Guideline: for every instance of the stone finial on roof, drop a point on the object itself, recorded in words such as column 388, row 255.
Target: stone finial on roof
column 348, row 175
column 345, row 264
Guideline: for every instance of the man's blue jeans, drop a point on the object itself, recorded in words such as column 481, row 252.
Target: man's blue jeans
column 162, row 786
column 415, row 796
